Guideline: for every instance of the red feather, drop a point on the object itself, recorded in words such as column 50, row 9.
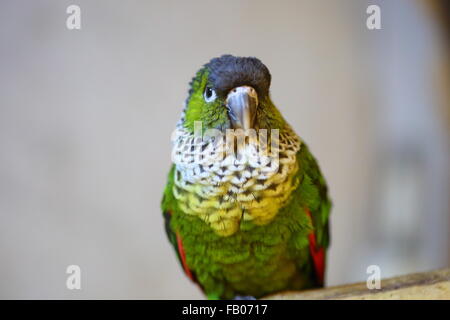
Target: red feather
column 183, row 258
column 317, row 254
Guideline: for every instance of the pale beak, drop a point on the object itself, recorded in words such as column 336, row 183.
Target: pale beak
column 242, row 103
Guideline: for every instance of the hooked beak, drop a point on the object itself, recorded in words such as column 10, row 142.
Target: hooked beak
column 242, row 103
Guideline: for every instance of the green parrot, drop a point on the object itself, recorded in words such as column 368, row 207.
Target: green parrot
column 250, row 218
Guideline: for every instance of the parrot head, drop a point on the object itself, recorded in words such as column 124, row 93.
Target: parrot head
column 231, row 93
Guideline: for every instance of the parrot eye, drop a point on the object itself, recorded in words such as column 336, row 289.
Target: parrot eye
column 209, row 94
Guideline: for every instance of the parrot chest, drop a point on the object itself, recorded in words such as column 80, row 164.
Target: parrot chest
column 224, row 188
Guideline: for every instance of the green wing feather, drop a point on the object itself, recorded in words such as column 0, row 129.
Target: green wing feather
column 169, row 206
column 313, row 192
column 311, row 198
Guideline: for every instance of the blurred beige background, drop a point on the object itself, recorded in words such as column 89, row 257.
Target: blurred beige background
column 86, row 118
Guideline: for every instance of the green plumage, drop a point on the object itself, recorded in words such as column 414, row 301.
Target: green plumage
column 257, row 259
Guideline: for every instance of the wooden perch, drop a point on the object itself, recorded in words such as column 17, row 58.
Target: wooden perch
column 427, row 285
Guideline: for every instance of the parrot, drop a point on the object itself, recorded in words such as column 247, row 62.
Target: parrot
column 246, row 219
